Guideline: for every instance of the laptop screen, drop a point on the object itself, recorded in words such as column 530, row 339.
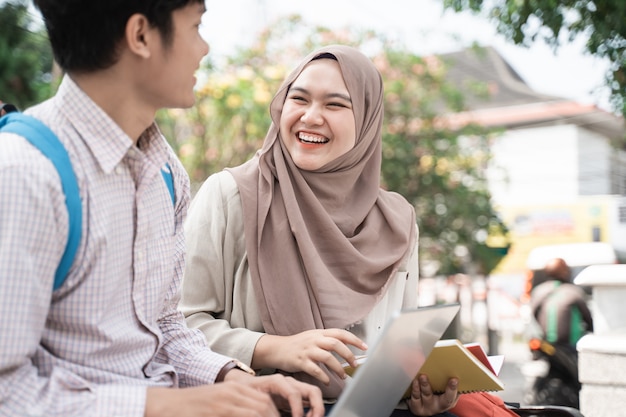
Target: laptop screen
column 393, row 361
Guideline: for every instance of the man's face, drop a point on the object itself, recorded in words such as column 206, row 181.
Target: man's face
column 170, row 79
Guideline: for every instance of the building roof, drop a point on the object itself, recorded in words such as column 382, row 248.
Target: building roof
column 511, row 103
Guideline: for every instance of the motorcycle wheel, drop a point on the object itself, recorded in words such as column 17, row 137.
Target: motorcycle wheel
column 553, row 391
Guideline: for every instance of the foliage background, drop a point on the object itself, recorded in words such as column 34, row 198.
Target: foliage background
column 524, row 22
column 438, row 169
column 26, row 57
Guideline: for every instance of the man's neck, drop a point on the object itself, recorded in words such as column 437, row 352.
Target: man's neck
column 118, row 99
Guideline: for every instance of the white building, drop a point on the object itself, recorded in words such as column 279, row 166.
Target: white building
column 558, row 170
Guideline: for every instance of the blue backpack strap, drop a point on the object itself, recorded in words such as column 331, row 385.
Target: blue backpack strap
column 40, row 136
column 166, row 171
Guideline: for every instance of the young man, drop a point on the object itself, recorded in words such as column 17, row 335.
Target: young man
column 110, row 341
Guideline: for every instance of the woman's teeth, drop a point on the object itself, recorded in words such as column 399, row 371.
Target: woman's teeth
column 312, row 139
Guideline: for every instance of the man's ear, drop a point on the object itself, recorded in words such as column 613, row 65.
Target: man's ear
column 139, row 37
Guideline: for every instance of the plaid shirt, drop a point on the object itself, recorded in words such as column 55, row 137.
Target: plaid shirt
column 113, row 329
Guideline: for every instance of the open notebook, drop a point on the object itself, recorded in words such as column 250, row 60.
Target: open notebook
column 476, row 371
column 451, row 358
column 393, row 361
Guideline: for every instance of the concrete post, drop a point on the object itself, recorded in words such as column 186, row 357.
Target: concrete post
column 602, row 355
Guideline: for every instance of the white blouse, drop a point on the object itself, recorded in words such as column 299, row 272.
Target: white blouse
column 217, row 293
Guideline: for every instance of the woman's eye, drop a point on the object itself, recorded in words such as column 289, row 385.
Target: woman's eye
column 341, row 105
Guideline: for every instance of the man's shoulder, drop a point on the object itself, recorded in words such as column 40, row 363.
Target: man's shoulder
column 557, row 291
column 50, row 115
column 45, row 111
column 548, row 285
column 540, row 292
column 571, row 288
column 16, row 151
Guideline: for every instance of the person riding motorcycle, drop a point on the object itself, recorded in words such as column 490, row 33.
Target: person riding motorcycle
column 562, row 317
column 560, row 307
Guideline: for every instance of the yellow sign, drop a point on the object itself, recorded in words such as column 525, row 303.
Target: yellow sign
column 586, row 220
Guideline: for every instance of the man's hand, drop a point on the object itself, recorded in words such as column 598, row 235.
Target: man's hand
column 305, row 351
column 288, row 393
column 240, row 395
column 424, row 402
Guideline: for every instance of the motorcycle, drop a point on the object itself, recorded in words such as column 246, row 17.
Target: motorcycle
column 552, row 375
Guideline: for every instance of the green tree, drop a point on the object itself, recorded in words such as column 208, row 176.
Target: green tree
column 558, row 21
column 437, row 168
column 26, row 57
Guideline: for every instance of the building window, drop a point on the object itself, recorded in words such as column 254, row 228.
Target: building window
column 622, row 214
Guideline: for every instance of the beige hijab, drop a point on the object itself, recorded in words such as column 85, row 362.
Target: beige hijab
column 323, row 244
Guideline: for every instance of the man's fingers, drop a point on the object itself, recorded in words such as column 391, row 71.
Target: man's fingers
column 305, row 395
column 250, row 398
column 293, row 394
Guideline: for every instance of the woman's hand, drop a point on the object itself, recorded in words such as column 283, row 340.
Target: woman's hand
column 304, row 352
column 424, row 402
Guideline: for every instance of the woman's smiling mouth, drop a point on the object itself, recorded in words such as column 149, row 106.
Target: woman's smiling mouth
column 308, row 138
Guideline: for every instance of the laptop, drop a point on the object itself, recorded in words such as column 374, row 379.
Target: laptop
column 393, row 361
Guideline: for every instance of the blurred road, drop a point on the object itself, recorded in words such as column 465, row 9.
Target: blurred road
column 515, row 355
column 503, row 312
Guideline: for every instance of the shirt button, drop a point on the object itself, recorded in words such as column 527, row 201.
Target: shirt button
column 119, row 169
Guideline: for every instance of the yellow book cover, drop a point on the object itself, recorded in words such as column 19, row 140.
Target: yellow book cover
column 450, row 358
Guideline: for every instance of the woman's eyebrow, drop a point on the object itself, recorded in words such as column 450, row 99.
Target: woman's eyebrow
column 331, row 95
column 342, row 96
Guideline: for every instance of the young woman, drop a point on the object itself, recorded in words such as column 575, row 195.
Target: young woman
column 296, row 259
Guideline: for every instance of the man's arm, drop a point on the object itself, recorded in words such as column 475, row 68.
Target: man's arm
column 200, row 369
column 33, row 230
column 183, row 348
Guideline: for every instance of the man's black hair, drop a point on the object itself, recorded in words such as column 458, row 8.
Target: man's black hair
column 84, row 34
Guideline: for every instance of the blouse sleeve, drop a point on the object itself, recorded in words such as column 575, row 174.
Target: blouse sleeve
column 217, row 295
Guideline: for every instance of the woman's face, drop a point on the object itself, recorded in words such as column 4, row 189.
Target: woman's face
column 317, row 123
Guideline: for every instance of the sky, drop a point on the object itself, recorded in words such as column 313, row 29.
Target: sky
column 425, row 28
column 422, row 26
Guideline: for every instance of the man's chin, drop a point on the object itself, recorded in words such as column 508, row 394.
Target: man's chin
column 182, row 104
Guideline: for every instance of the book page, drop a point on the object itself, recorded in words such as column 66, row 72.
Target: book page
column 493, row 363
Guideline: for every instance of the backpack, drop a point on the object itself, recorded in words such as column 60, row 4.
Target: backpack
column 41, row 137
column 561, row 316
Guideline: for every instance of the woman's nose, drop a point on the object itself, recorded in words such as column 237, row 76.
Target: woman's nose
column 312, row 116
